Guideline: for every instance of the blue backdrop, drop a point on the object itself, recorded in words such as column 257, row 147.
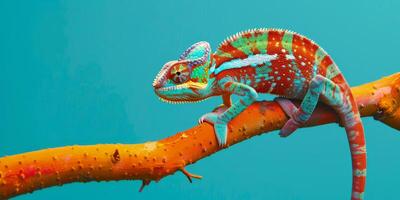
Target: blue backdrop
column 80, row 72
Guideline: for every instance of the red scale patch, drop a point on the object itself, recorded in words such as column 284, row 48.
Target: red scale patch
column 274, row 41
column 228, row 48
column 281, row 75
column 324, row 66
column 263, row 85
column 304, row 52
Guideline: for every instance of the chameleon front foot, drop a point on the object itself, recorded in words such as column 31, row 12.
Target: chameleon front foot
column 220, row 127
column 189, row 175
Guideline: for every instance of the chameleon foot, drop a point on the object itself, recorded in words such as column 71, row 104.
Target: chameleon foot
column 290, row 126
column 291, row 110
column 220, row 127
column 189, row 175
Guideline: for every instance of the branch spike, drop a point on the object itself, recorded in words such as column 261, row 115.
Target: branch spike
column 189, row 175
column 145, row 182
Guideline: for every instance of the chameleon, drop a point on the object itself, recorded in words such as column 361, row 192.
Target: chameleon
column 266, row 60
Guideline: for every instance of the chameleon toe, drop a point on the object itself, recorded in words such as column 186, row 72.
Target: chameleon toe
column 221, row 132
column 290, row 126
column 209, row 117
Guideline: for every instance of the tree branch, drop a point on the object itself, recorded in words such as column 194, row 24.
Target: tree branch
column 27, row 172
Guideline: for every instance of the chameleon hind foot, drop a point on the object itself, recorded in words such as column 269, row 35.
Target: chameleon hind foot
column 292, row 111
column 290, row 126
column 220, row 127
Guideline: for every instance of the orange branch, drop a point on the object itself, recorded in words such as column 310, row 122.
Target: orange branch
column 27, row 172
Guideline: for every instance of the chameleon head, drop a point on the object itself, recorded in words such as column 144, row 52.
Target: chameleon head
column 185, row 80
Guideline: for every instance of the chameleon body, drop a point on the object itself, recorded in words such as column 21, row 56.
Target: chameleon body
column 273, row 61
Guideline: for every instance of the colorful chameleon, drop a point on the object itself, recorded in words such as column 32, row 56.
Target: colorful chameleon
column 273, row 61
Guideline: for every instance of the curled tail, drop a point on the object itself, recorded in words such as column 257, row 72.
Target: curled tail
column 355, row 135
column 336, row 94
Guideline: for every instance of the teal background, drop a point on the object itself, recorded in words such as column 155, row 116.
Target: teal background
column 80, row 72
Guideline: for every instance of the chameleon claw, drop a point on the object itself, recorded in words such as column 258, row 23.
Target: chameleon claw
column 209, row 117
column 145, row 182
column 189, row 175
column 221, row 132
column 212, row 117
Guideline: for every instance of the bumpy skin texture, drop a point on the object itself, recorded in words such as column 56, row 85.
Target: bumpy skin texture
column 271, row 61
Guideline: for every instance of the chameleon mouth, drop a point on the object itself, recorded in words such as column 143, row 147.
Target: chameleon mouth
column 191, row 97
column 181, row 101
column 177, row 87
column 188, row 85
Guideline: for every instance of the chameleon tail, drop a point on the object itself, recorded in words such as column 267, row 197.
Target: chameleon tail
column 355, row 136
column 339, row 97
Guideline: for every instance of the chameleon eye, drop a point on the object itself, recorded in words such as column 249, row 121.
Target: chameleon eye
column 180, row 73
